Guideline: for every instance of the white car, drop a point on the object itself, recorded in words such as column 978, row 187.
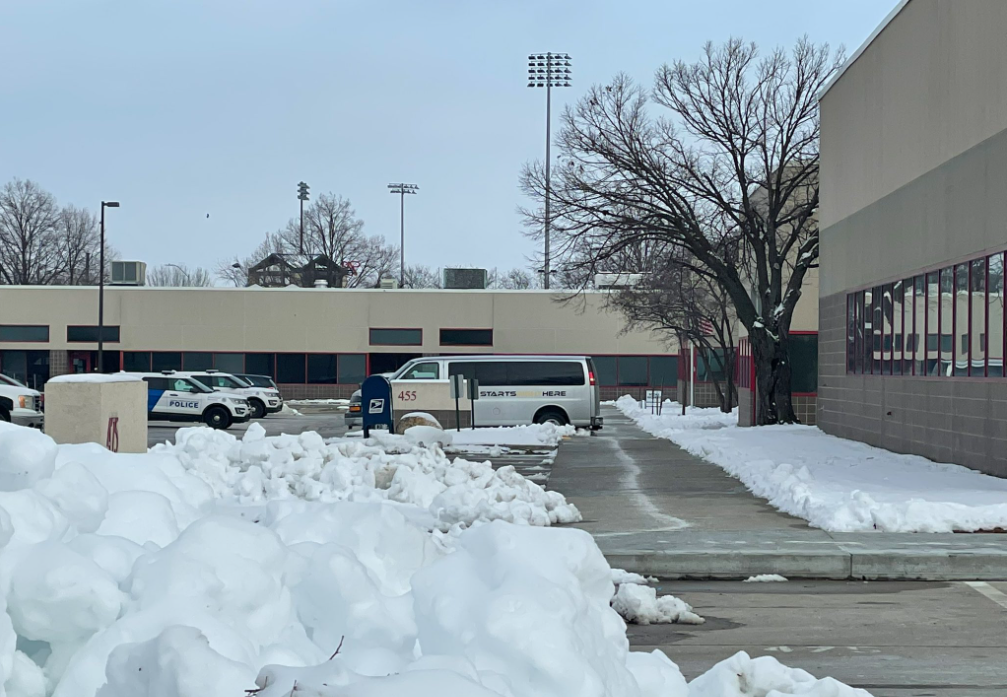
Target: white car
column 174, row 397
column 19, row 404
column 261, row 400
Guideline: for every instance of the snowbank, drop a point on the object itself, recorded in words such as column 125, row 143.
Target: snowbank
column 170, row 574
column 765, row 578
column 639, row 604
column 835, row 484
column 545, row 435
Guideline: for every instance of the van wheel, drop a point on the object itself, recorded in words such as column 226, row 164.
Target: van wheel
column 551, row 416
column 258, row 408
column 217, row 417
column 4, row 415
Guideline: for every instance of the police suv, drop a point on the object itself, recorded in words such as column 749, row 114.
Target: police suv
column 175, row 397
column 261, row 400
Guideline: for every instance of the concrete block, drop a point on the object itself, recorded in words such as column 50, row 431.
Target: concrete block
column 110, row 410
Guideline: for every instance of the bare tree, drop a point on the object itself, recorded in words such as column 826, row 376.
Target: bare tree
column 179, row 276
column 419, row 276
column 512, row 279
column 235, row 269
column 29, row 247
column 78, row 240
column 730, row 176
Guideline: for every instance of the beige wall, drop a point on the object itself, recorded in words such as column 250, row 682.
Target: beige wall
column 332, row 321
column 927, row 89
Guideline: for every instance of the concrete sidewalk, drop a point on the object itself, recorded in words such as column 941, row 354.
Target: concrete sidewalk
column 655, row 509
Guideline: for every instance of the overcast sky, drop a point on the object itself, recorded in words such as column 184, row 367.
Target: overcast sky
column 183, row 108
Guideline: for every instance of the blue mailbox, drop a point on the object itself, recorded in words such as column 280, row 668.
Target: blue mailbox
column 376, row 404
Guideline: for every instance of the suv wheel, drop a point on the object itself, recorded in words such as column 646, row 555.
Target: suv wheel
column 217, row 417
column 258, row 408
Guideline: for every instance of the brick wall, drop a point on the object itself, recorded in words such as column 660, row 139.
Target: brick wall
column 745, row 408
column 960, row 420
column 706, row 393
column 295, row 391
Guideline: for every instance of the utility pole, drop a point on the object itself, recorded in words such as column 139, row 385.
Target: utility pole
column 548, row 70
column 101, row 286
column 402, row 190
column 302, row 196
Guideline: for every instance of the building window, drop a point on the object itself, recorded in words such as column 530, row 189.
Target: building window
column 136, row 361
column 466, row 337
column 290, row 368
column 351, row 368
column 607, row 374
column 633, row 371
column 89, row 334
column 396, row 337
column 321, row 368
column 24, row 332
column 165, row 360
column 804, row 363
column 995, row 312
column 197, row 361
column 229, row 362
column 260, row 364
column 28, row 367
column 977, row 318
column 663, row 371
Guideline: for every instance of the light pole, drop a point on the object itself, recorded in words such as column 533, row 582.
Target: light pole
column 548, row 70
column 402, row 190
column 185, row 273
column 302, row 196
column 101, row 286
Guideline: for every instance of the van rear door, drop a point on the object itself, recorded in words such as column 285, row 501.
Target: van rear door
column 592, row 379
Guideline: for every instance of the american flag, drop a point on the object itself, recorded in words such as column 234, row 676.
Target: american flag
column 706, row 326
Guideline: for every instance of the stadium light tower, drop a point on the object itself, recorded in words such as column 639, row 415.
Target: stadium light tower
column 548, row 70
column 302, row 196
column 402, row 190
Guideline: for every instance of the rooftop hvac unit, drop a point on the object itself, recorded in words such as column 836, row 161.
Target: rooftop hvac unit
column 388, row 283
column 615, row 281
column 465, row 279
column 129, row 273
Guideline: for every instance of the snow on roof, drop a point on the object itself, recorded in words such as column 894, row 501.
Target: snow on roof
column 863, row 47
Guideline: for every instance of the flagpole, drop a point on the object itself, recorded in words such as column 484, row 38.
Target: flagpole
column 692, row 379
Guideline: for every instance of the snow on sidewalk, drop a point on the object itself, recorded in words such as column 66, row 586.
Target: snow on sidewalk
column 835, row 484
column 281, row 566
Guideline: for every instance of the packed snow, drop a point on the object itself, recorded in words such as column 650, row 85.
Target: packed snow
column 765, row 578
column 641, row 605
column 224, row 567
column 545, row 436
column 96, row 378
column 835, row 484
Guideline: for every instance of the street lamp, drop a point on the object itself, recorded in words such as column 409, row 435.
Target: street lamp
column 548, row 70
column 402, row 190
column 185, row 272
column 101, row 286
column 302, row 196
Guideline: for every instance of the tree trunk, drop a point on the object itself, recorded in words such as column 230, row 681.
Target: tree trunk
column 772, row 377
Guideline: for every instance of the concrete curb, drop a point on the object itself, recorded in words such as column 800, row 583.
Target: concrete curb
column 832, row 564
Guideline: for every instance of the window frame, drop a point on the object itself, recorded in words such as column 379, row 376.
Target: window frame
column 47, row 328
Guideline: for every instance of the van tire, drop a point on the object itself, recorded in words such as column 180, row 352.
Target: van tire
column 4, row 414
column 258, row 408
column 553, row 415
column 217, row 417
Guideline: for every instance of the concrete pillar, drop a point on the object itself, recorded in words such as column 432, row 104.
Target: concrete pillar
column 110, row 410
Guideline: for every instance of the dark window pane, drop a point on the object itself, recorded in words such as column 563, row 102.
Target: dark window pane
column 632, row 371
column 606, row 367
column 351, row 368
column 156, row 383
column 396, row 337
column 321, row 368
column 851, row 332
column 422, row 371
column 550, row 373
column 492, row 374
column 995, row 308
column 804, row 363
column 466, row 337
column 14, row 364
column 931, row 342
column 977, row 307
column 22, row 332
column 260, row 364
column 663, row 371
column 466, row 370
column 290, row 368
column 136, row 361
column 229, row 362
column 90, row 334
column 165, row 360
column 197, row 361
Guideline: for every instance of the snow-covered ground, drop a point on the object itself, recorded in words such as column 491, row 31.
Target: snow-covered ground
column 354, row 568
column 835, row 484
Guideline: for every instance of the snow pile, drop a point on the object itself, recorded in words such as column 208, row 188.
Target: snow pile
column 835, row 484
column 545, row 435
column 640, row 605
column 125, row 575
column 765, row 578
column 404, row 469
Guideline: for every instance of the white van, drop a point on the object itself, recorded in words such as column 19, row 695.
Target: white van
column 519, row 390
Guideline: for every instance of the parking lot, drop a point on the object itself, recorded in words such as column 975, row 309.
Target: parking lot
column 329, row 425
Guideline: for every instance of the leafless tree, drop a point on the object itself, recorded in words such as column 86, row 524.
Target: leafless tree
column 235, row 269
column 78, row 239
column 29, row 246
column 419, row 276
column 512, row 279
column 179, row 276
column 729, row 175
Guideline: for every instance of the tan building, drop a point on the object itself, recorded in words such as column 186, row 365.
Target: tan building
column 315, row 342
column 914, row 166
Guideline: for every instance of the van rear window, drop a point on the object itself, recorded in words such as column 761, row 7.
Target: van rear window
column 523, row 373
